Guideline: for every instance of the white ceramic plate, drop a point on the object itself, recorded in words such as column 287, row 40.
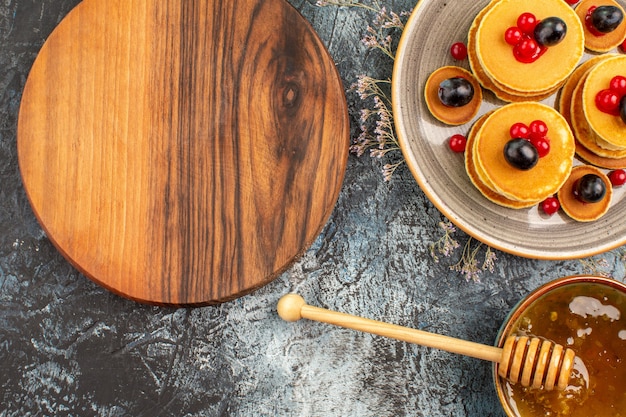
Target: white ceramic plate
column 432, row 28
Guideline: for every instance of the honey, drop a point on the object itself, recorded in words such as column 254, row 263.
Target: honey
column 590, row 318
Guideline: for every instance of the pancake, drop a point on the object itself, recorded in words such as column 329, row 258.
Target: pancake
column 579, row 125
column 476, row 179
column 591, row 158
column 609, row 40
column 567, row 90
column 551, row 171
column 583, row 132
column 499, row 91
column 446, row 114
column 576, row 209
column 608, row 127
column 550, row 70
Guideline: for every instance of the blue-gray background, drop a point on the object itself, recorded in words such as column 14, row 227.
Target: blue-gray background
column 69, row 347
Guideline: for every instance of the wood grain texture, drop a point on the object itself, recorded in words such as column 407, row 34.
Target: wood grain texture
column 183, row 152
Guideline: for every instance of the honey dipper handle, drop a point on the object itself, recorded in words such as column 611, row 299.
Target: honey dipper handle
column 292, row 307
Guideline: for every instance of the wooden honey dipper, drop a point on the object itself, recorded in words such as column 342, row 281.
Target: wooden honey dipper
column 531, row 361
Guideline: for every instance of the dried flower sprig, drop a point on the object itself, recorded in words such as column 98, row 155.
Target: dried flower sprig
column 349, row 3
column 377, row 133
column 446, row 243
column 376, row 124
column 468, row 265
column 610, row 265
column 596, row 266
column 379, row 35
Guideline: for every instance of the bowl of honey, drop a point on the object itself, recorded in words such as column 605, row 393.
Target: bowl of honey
column 588, row 315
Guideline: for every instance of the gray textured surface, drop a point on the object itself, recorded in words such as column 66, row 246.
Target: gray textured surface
column 68, row 347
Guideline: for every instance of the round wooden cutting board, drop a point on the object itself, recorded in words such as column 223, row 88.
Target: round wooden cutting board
column 183, row 152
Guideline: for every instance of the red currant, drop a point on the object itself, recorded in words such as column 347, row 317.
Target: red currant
column 538, row 129
column 513, row 35
column 618, row 85
column 527, row 22
column 519, row 130
column 607, row 101
column 571, row 1
column 542, row 145
column 550, row 205
column 526, row 50
column 458, row 50
column 457, row 143
column 618, row 177
column 623, row 46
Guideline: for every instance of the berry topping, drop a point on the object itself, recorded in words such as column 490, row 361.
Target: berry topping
column 550, row 205
column 531, row 37
column 590, row 189
column 550, row 31
column 617, row 177
column 535, row 133
column 527, row 50
column 455, row 92
column 527, row 22
column 457, row 143
column 618, row 84
column 608, row 101
column 542, row 145
column 538, row 129
column 513, row 35
column 519, row 130
column 521, row 154
column 611, row 100
column 458, row 51
column 604, row 19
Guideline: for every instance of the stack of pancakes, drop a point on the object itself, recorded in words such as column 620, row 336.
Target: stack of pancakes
column 601, row 136
column 504, row 184
column 494, row 65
